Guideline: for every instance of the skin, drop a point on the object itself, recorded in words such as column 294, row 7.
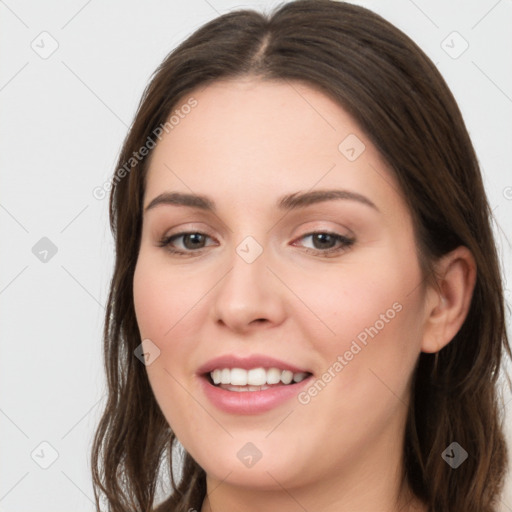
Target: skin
column 245, row 144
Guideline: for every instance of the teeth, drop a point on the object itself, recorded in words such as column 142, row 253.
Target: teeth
column 273, row 376
column 216, row 376
column 238, row 377
column 225, row 376
column 286, row 377
column 245, row 388
column 256, row 378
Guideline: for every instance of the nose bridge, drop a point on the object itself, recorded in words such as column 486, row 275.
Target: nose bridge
column 248, row 292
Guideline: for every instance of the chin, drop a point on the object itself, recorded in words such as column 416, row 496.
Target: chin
column 259, row 465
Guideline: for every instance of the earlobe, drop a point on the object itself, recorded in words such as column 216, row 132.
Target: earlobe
column 448, row 303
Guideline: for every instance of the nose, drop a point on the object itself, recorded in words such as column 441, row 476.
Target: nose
column 249, row 296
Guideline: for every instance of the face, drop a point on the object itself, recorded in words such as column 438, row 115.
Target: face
column 280, row 282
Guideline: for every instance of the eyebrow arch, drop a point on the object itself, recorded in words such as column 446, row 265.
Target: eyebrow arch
column 287, row 202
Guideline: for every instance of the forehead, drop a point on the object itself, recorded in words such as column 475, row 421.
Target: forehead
column 265, row 135
column 263, row 113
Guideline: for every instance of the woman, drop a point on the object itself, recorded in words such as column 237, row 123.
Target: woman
column 306, row 295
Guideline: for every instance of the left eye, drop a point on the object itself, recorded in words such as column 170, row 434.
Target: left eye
column 325, row 242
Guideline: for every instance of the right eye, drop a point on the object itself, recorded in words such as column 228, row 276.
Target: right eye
column 191, row 242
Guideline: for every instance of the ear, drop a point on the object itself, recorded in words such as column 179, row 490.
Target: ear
column 447, row 304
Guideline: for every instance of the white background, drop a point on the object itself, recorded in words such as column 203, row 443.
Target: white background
column 63, row 119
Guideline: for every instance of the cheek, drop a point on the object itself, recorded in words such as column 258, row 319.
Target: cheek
column 161, row 298
column 341, row 305
column 163, row 305
column 369, row 313
column 368, row 361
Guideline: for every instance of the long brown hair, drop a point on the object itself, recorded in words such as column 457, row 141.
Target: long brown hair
column 398, row 97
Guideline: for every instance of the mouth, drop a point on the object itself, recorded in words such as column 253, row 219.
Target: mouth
column 254, row 379
column 251, row 384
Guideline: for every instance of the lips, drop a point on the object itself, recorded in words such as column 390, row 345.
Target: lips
column 255, row 399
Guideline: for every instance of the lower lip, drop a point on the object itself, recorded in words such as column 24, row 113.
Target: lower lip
column 251, row 402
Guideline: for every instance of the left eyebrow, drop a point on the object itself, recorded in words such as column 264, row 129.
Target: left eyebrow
column 287, row 202
column 300, row 200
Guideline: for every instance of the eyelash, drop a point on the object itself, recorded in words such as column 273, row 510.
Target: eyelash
column 346, row 243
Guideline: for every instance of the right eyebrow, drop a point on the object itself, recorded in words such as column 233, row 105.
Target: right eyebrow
column 181, row 199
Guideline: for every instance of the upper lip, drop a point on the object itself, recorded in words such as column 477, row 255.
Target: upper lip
column 247, row 363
